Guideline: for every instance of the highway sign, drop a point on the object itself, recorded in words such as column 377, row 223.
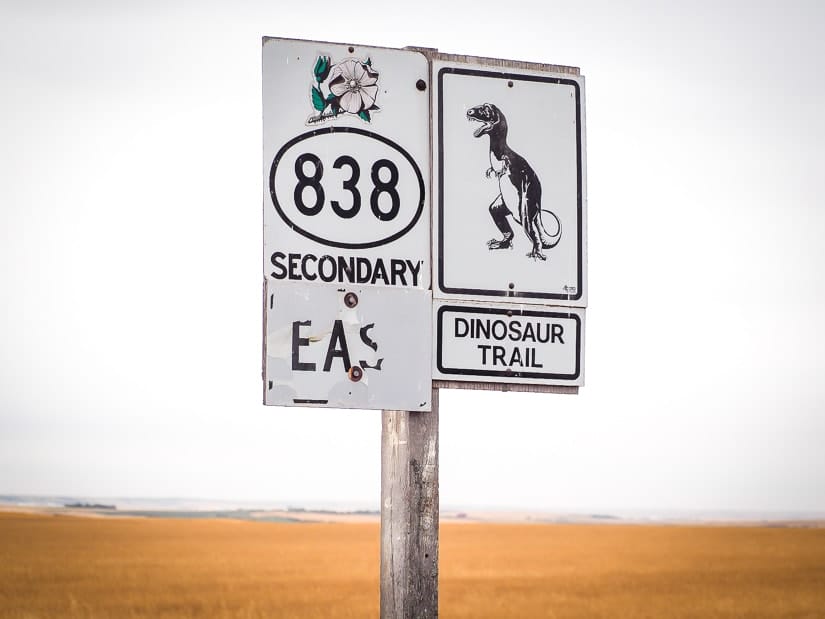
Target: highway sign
column 508, row 343
column 346, row 164
column 511, row 184
column 362, row 347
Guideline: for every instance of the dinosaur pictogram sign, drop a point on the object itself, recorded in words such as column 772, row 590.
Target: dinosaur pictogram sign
column 510, row 215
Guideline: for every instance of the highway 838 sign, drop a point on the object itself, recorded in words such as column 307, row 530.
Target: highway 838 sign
column 346, row 164
column 346, row 158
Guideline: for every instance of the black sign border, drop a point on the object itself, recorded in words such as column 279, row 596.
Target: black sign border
column 579, row 182
column 508, row 312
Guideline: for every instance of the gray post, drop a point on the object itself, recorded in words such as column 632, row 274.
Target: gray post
column 409, row 513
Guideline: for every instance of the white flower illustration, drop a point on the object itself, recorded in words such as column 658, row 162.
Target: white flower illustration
column 354, row 83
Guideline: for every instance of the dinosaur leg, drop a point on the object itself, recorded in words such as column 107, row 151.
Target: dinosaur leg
column 530, row 208
column 499, row 213
column 531, row 225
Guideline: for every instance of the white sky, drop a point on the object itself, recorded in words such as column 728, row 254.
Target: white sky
column 130, row 244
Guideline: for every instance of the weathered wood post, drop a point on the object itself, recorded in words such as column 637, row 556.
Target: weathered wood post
column 409, row 513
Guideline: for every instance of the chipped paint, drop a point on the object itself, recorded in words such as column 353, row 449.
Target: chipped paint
column 313, row 339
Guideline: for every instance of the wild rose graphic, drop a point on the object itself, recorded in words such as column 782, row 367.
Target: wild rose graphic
column 353, row 87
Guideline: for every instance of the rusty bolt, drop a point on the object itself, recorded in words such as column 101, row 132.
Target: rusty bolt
column 355, row 373
column 350, row 299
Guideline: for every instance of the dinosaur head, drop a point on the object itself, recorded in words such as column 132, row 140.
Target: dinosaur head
column 489, row 116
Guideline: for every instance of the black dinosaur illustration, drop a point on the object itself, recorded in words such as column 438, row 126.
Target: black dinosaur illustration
column 519, row 186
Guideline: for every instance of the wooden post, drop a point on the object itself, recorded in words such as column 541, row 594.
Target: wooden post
column 409, row 513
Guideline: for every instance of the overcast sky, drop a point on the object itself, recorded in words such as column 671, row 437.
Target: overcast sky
column 130, row 269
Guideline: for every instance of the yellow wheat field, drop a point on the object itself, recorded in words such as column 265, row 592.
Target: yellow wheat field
column 59, row 566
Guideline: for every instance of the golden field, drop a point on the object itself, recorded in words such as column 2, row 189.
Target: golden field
column 133, row 568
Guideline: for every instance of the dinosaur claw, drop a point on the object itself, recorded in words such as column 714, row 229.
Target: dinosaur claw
column 499, row 244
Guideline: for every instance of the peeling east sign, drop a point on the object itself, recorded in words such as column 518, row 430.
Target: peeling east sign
column 343, row 348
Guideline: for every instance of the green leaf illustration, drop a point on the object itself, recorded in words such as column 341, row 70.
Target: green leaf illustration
column 318, row 100
column 364, row 115
column 321, row 70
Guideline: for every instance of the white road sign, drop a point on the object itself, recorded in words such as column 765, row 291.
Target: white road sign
column 347, row 151
column 510, row 186
column 508, row 343
column 346, row 163
column 353, row 347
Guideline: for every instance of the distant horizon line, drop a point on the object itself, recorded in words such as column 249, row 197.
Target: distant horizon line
column 179, row 503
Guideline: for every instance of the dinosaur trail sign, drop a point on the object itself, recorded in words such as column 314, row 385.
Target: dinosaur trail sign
column 510, row 187
column 346, row 164
column 508, row 343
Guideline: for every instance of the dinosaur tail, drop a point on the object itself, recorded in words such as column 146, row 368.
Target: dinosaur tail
column 548, row 240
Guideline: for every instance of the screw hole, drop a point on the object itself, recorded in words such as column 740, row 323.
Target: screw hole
column 351, row 49
column 511, row 285
column 421, row 85
column 509, row 84
column 350, row 299
column 355, row 373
